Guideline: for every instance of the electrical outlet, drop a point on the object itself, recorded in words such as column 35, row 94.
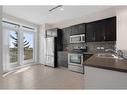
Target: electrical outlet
column 101, row 47
column 98, row 47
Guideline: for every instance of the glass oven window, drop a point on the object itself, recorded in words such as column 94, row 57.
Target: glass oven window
column 75, row 59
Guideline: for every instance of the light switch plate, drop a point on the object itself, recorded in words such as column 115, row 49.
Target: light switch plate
column 98, row 47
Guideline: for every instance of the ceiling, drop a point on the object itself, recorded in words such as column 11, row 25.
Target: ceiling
column 40, row 14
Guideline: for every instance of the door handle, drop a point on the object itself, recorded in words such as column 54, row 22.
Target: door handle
column 104, row 37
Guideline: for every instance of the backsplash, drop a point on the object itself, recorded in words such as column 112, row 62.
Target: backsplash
column 100, row 46
column 92, row 46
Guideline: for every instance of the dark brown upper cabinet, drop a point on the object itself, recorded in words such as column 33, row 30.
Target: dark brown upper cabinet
column 102, row 30
column 90, row 32
column 110, row 33
column 66, row 35
column 81, row 28
column 74, row 30
column 78, row 29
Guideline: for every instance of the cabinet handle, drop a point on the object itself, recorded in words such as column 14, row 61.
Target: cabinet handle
column 104, row 37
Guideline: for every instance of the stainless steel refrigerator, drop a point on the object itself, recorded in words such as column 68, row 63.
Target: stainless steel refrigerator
column 51, row 52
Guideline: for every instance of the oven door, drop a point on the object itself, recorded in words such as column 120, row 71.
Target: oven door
column 75, row 59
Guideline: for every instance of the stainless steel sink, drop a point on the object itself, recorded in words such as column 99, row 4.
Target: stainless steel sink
column 108, row 55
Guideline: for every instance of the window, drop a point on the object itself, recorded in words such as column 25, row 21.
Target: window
column 20, row 42
column 13, row 46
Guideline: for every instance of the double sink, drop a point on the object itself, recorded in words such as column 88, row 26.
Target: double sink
column 108, row 55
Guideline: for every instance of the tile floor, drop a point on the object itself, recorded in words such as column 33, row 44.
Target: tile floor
column 42, row 77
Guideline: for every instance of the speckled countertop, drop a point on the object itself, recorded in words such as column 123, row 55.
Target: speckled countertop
column 107, row 63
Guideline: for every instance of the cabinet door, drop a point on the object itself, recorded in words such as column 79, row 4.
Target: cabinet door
column 90, row 32
column 64, row 36
column 68, row 30
column 95, row 31
column 74, row 30
column 110, row 33
column 100, row 31
column 81, row 28
column 59, row 40
column 52, row 32
column 106, row 30
column 62, row 59
column 48, row 33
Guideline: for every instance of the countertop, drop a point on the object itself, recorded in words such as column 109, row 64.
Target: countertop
column 107, row 63
column 77, row 52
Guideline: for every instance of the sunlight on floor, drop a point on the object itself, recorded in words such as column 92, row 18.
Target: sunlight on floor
column 22, row 70
column 4, row 75
column 17, row 71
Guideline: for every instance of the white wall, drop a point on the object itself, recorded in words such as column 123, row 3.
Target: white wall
column 121, row 27
column 1, row 65
column 18, row 20
column 88, row 18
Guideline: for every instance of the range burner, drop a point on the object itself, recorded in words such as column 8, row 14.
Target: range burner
column 79, row 50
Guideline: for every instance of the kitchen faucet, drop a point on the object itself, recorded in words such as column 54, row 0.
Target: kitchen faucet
column 111, row 50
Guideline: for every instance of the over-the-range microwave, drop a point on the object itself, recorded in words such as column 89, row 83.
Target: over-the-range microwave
column 77, row 38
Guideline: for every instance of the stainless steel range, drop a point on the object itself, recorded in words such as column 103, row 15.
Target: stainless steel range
column 75, row 62
column 76, row 59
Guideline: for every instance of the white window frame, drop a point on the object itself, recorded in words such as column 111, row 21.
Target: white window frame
column 20, row 58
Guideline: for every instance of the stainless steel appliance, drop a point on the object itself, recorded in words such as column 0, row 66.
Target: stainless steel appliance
column 53, row 45
column 76, row 59
column 77, row 38
column 75, row 62
column 50, row 52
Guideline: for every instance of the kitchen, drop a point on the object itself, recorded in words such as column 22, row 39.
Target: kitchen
column 91, row 45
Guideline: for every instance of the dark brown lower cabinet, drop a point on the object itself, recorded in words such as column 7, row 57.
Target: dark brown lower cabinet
column 62, row 59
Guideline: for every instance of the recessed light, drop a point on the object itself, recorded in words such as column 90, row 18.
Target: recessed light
column 61, row 8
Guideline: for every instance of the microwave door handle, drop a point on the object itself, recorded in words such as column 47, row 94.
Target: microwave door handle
column 82, row 38
column 82, row 60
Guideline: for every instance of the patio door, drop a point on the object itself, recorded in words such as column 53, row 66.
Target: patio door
column 27, row 46
column 18, row 45
column 13, row 48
